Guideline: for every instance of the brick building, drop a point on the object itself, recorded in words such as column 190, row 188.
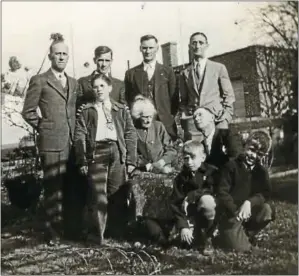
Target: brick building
column 250, row 72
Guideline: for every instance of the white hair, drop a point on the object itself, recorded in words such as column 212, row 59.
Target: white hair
column 140, row 105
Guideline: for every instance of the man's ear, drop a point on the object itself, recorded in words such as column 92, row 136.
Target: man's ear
column 95, row 60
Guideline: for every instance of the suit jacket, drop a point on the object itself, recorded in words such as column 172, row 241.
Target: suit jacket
column 85, row 93
column 58, row 110
column 192, row 187
column 214, row 93
column 156, row 145
column 86, row 130
column 237, row 184
column 165, row 96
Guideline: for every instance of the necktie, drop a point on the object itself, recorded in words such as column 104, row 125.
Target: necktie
column 148, row 71
column 108, row 117
column 62, row 80
column 197, row 71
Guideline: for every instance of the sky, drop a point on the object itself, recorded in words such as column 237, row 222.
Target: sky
column 26, row 29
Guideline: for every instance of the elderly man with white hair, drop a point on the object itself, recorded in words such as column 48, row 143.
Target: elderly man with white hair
column 220, row 144
column 155, row 149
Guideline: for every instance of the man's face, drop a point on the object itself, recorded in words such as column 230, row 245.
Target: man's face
column 146, row 118
column 59, row 56
column 202, row 119
column 149, row 49
column 250, row 155
column 101, row 89
column 103, row 63
column 198, row 45
column 193, row 160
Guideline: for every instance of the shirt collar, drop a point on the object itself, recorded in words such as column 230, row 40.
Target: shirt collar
column 57, row 74
column 107, row 103
column 202, row 63
column 151, row 64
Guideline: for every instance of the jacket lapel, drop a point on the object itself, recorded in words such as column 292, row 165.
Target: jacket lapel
column 71, row 88
column 55, row 83
column 191, row 78
column 208, row 75
column 138, row 76
column 157, row 75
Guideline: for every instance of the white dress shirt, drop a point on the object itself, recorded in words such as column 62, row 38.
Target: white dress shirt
column 60, row 76
column 209, row 139
column 202, row 64
column 103, row 131
column 150, row 68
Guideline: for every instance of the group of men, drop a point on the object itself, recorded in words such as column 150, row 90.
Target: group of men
column 203, row 85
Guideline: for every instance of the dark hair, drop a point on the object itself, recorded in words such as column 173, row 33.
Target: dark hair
column 148, row 37
column 101, row 77
column 102, row 50
column 199, row 33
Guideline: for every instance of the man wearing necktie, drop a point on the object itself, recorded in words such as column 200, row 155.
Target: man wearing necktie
column 103, row 58
column 206, row 83
column 106, row 151
column 219, row 149
column 54, row 93
column 156, row 82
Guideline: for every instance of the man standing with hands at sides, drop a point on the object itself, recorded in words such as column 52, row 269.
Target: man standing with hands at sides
column 103, row 58
column 154, row 81
column 206, row 84
column 54, row 93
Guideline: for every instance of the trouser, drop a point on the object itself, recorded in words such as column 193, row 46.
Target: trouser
column 54, row 165
column 200, row 219
column 105, row 177
column 234, row 234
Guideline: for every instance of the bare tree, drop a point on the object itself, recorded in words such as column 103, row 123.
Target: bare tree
column 277, row 64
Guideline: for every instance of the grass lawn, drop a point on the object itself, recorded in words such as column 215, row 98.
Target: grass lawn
column 277, row 252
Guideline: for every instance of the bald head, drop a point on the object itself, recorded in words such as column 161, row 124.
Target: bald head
column 203, row 118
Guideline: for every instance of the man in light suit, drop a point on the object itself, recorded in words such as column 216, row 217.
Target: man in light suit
column 206, row 83
column 103, row 58
column 54, row 93
column 154, row 81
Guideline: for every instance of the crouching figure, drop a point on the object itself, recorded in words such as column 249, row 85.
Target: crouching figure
column 243, row 194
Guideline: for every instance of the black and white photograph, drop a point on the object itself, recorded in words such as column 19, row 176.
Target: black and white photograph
column 149, row 138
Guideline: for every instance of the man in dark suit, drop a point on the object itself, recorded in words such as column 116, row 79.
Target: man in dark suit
column 54, row 93
column 103, row 57
column 206, row 83
column 154, row 81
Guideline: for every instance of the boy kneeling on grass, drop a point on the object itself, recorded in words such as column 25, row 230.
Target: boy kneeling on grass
column 191, row 202
column 243, row 191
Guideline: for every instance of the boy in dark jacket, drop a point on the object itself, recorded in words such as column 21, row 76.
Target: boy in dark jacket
column 191, row 202
column 106, row 150
column 192, row 199
column 243, row 191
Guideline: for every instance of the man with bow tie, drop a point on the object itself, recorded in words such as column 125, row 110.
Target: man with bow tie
column 54, row 94
column 154, row 81
column 103, row 58
column 206, row 83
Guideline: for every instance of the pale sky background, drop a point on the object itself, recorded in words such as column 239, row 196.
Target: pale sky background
column 26, row 29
